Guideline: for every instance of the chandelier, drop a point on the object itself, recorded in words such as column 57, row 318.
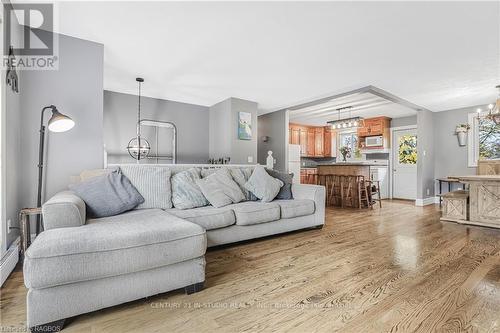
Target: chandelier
column 493, row 110
column 137, row 147
column 349, row 122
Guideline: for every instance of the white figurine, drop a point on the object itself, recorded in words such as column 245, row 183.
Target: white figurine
column 270, row 160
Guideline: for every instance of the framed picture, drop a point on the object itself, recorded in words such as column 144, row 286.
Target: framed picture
column 244, row 126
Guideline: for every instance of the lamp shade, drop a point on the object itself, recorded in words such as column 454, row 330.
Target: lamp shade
column 59, row 122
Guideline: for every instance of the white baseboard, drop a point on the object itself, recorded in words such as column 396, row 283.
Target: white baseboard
column 427, row 201
column 9, row 261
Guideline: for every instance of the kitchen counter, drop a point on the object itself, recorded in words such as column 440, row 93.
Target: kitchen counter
column 353, row 163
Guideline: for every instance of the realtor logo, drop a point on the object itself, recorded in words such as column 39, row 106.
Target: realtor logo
column 29, row 41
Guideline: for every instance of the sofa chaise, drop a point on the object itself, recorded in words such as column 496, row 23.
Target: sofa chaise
column 78, row 265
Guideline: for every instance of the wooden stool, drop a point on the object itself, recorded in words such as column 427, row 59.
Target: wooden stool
column 375, row 189
column 364, row 196
column 346, row 190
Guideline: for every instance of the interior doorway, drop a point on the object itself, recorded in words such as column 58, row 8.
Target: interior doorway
column 404, row 163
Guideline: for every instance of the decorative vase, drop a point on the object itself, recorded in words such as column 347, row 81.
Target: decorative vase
column 344, row 158
column 462, row 138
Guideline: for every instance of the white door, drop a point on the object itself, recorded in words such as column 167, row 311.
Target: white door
column 404, row 156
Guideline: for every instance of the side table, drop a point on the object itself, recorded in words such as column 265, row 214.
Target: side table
column 24, row 224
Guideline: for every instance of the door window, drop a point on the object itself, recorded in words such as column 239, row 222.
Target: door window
column 407, row 151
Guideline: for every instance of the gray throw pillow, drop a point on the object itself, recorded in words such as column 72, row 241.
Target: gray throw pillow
column 108, row 195
column 285, row 192
column 185, row 193
column 220, row 189
column 262, row 185
column 241, row 176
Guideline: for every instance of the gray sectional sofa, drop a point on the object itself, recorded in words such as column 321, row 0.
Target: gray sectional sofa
column 78, row 265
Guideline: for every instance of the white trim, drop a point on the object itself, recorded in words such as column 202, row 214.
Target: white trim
column 9, row 261
column 472, row 140
column 426, row 201
column 391, row 155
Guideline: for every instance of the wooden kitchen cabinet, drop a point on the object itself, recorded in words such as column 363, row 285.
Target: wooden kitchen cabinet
column 294, row 136
column 319, row 142
column 374, row 126
column 310, row 142
column 314, row 141
column 329, row 143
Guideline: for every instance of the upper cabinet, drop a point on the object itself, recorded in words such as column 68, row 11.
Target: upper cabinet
column 378, row 126
column 314, row 141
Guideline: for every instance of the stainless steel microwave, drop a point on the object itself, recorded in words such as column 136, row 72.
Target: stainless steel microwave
column 374, row 141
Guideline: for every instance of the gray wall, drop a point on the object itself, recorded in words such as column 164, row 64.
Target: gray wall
column 11, row 146
column 120, row 118
column 404, row 121
column 76, row 88
column 425, row 151
column 223, row 131
column 450, row 158
column 275, row 126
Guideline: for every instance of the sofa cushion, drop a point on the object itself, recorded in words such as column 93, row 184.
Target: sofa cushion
column 262, row 185
column 208, row 217
column 185, row 193
column 110, row 246
column 295, row 208
column 254, row 212
column 152, row 182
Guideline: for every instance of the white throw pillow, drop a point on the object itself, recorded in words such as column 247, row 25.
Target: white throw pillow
column 265, row 187
column 220, row 189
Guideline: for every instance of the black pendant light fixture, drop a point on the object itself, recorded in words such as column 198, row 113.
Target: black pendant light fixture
column 138, row 147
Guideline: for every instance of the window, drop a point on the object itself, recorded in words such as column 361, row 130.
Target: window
column 349, row 139
column 483, row 139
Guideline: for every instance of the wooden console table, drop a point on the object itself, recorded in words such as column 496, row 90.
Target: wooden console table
column 484, row 200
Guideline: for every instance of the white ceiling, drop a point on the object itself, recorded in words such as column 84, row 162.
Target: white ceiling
column 364, row 105
column 440, row 55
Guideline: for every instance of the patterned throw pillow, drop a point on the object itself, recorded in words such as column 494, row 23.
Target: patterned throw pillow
column 185, row 193
column 220, row 189
column 262, row 185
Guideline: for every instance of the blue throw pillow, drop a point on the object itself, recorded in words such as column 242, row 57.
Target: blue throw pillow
column 108, row 195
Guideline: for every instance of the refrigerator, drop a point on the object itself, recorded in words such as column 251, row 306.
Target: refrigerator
column 294, row 162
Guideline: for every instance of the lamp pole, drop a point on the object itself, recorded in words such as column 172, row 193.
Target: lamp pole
column 57, row 123
column 40, row 165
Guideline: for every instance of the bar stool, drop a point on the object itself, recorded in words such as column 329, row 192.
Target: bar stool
column 347, row 190
column 363, row 196
column 367, row 189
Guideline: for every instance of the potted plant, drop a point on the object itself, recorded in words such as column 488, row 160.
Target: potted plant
column 461, row 132
column 346, row 152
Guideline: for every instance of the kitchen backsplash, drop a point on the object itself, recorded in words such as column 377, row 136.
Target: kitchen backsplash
column 307, row 162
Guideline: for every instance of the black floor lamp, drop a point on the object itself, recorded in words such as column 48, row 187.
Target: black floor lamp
column 57, row 123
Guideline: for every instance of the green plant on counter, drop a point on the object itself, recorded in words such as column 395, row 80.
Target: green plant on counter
column 346, row 152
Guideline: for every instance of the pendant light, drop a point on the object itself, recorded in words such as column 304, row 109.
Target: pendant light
column 138, row 147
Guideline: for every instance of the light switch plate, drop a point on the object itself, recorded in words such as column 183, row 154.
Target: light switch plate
column 250, row 159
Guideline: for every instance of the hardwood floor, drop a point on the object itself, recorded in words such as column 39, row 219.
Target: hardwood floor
column 398, row 269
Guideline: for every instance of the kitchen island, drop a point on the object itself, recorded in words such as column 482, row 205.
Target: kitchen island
column 349, row 169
